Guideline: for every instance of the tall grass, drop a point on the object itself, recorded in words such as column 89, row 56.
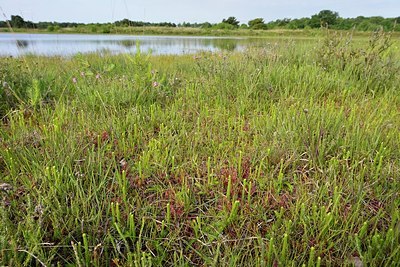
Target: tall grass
column 278, row 156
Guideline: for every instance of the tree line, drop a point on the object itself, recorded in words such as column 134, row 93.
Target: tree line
column 331, row 19
column 325, row 18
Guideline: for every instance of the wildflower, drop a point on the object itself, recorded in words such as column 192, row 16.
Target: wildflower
column 98, row 76
column 74, row 80
column 82, row 74
column 5, row 84
column 155, row 84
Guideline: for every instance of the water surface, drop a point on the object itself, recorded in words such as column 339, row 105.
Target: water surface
column 14, row 44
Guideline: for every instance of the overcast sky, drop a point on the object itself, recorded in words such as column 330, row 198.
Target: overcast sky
column 189, row 10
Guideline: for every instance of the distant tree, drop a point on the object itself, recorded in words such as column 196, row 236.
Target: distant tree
column 42, row 25
column 106, row 28
column 206, row 25
column 324, row 18
column 232, row 21
column 328, row 17
column 93, row 28
column 359, row 19
column 17, row 21
column 366, row 25
column 344, row 24
column 298, row 23
column 377, row 20
column 315, row 22
column 165, row 24
column 30, row 25
column 125, row 22
column 283, row 22
column 257, row 23
column 224, row 26
column 389, row 24
column 397, row 24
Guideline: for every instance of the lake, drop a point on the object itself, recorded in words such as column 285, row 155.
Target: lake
column 14, row 44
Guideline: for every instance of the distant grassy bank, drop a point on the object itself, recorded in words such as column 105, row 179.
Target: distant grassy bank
column 186, row 31
column 286, row 155
column 171, row 31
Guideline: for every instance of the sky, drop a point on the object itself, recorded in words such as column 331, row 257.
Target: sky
column 179, row 11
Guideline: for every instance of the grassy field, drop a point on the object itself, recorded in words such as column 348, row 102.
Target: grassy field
column 287, row 155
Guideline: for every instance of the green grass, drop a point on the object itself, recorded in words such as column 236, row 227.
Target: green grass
column 286, row 155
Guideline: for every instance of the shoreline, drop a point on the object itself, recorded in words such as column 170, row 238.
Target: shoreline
column 169, row 31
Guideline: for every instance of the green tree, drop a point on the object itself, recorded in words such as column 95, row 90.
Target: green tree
column 297, row 23
column 324, row 18
column 232, row 21
column 344, row 24
column 283, row 22
column 257, row 23
column 17, row 21
column 206, row 25
column 224, row 26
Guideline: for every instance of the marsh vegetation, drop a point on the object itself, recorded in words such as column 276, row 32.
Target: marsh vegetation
column 281, row 155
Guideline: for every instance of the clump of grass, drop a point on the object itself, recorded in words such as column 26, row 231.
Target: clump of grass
column 255, row 158
column 374, row 65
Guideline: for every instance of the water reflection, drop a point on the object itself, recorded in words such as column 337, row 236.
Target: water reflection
column 15, row 44
column 128, row 43
column 22, row 43
column 163, row 45
column 224, row 44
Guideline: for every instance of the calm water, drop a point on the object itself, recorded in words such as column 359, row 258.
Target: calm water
column 14, row 44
